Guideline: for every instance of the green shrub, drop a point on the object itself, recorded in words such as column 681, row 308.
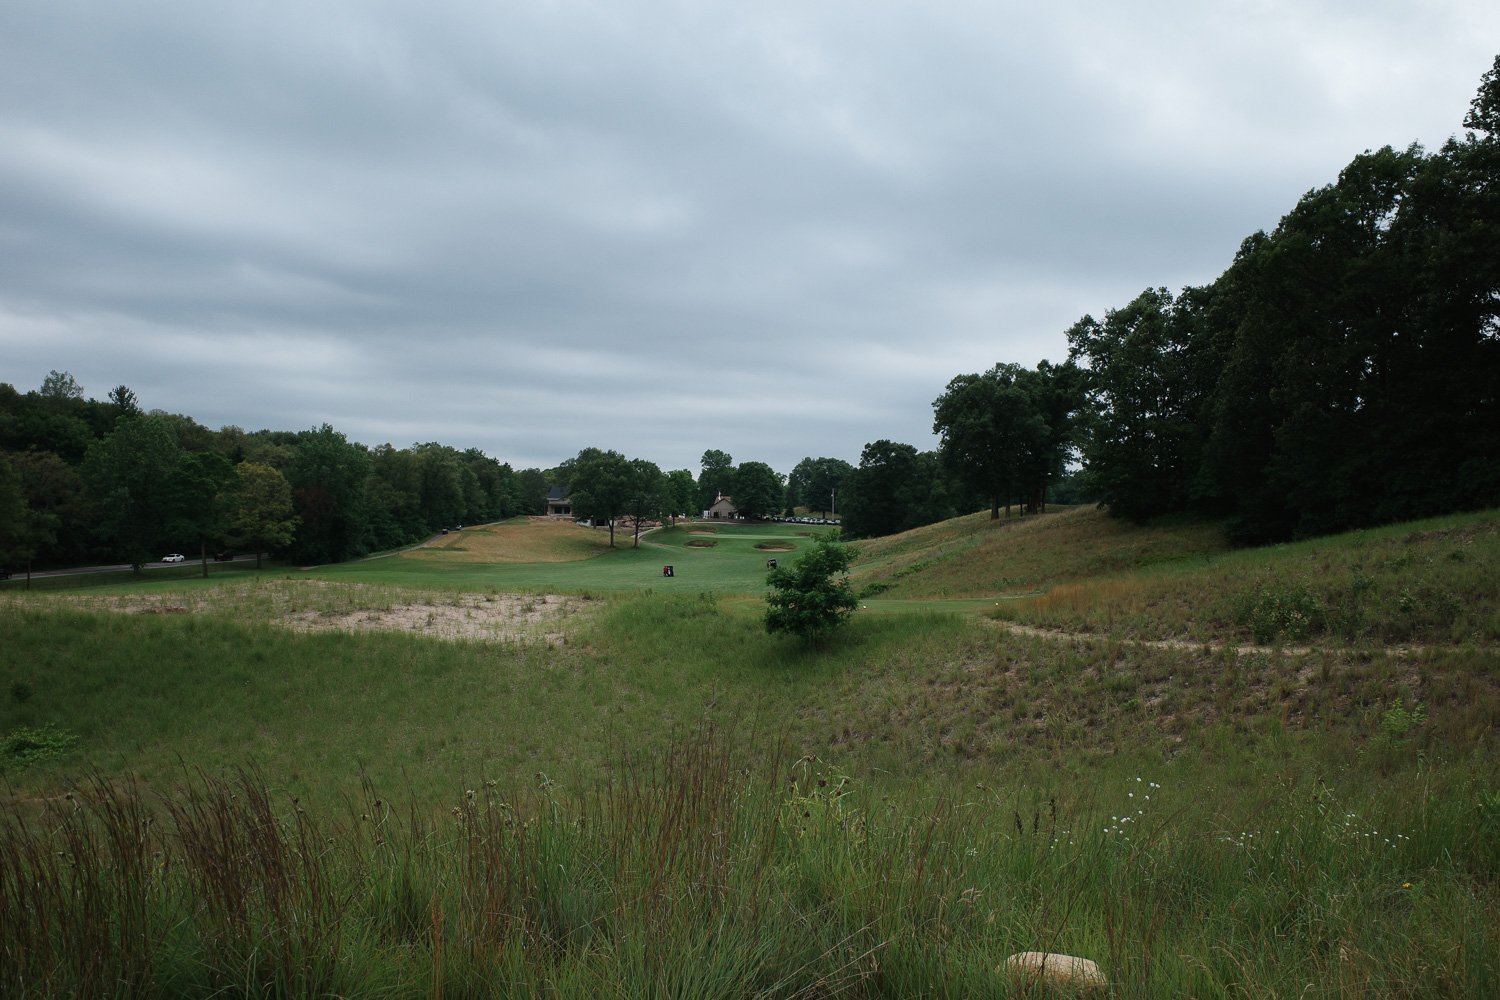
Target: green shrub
column 1287, row 612
column 813, row 597
column 25, row 747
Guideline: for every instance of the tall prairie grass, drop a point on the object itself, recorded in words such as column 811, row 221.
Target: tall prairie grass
column 708, row 872
column 1426, row 582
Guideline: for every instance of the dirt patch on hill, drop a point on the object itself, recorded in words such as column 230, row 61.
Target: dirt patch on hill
column 776, row 546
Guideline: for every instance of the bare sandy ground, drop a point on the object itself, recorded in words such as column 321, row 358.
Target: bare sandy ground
column 492, row 618
column 316, row 606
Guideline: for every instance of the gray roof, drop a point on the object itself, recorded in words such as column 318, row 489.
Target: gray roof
column 558, row 493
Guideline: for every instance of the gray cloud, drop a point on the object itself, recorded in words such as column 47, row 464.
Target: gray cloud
column 658, row 227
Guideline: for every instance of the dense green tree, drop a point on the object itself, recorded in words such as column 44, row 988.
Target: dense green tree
column 531, row 491
column 53, row 489
column 63, row 425
column 604, row 483
column 1484, row 109
column 1057, row 397
column 895, row 488
column 328, row 475
column 195, row 505
column 191, row 435
column 260, row 508
column 715, row 477
column 1362, row 381
column 444, row 498
column 24, row 531
column 647, row 492
column 992, row 428
column 127, row 475
column 393, row 492
column 815, row 483
column 812, row 597
column 679, row 494
column 1151, row 375
column 495, row 484
column 757, row 490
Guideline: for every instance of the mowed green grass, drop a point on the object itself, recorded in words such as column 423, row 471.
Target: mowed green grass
column 733, row 565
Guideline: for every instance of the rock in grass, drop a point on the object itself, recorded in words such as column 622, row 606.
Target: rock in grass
column 1059, row 970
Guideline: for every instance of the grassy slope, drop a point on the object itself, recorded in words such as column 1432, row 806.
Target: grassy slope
column 910, row 695
column 973, row 556
column 1268, row 851
column 1430, row 581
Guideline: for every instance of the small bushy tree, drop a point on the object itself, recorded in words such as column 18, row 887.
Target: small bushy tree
column 813, row 597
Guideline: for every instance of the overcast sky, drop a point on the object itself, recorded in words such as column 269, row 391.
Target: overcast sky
column 777, row 229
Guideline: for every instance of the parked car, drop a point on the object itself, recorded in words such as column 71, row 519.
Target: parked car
column 174, row 557
column 223, row 556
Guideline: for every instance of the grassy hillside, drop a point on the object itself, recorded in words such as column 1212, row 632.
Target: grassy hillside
column 241, row 677
column 974, row 556
column 1428, row 581
column 641, row 793
column 1083, row 571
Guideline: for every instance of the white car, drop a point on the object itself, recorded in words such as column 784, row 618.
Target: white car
column 174, row 557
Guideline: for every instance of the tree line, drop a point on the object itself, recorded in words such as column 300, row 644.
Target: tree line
column 85, row 481
column 1343, row 371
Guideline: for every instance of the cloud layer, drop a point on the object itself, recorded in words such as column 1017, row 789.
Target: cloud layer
column 775, row 229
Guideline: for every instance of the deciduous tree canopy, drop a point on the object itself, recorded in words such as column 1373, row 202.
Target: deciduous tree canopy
column 812, row 597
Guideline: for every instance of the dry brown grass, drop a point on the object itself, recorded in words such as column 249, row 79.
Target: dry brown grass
column 524, row 542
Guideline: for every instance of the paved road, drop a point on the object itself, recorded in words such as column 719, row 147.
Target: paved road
column 121, row 568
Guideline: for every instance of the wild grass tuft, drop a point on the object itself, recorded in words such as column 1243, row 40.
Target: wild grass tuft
column 711, row 871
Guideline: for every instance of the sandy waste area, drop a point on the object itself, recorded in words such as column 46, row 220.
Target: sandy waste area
column 316, row 607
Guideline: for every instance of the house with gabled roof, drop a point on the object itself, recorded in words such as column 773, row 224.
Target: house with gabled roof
column 559, row 504
column 723, row 508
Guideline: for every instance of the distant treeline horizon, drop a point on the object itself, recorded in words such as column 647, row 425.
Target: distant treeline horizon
column 1344, row 371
